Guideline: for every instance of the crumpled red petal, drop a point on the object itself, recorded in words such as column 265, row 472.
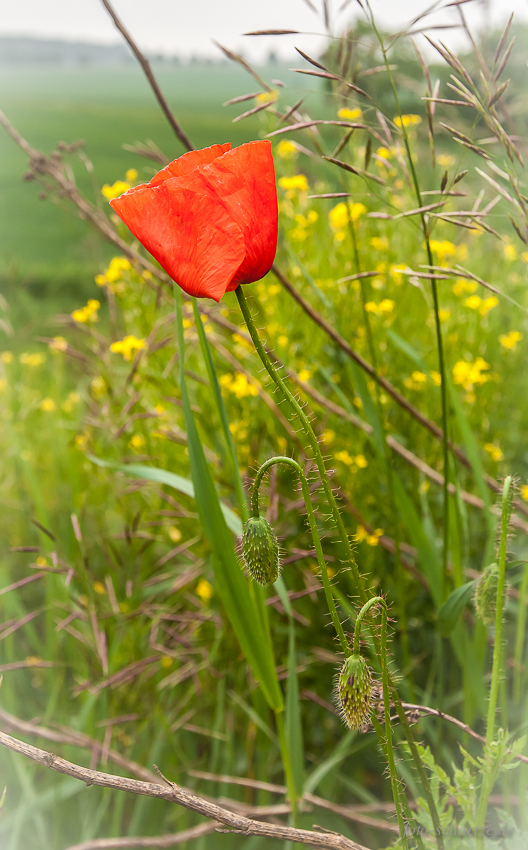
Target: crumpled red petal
column 244, row 180
column 198, row 243
column 189, row 162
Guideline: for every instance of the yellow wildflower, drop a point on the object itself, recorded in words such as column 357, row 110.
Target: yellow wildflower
column 6, row 357
column 131, row 175
column 510, row 252
column 111, row 192
column 488, row 304
column 137, row 441
column 88, row 313
column 98, row 386
column 99, row 587
column 511, row 339
column 128, row 346
column 445, row 160
column 328, row 436
column 396, row 272
column 361, row 534
column 342, row 213
column 385, row 306
column 495, row 452
column 297, row 183
column 48, row 405
column 408, row 120
column 473, row 302
column 443, row 249
column 373, row 539
column 32, row 360
column 58, row 343
column 238, row 384
column 444, row 314
column 524, row 492
column 467, row 374
column 436, row 379
column 268, row 96
column 349, row 114
column 3, row 384
column 73, row 399
column 204, row 590
column 462, row 286
column 419, row 377
column 384, row 153
column 361, row 461
column 41, row 561
column 380, row 243
column 174, row 534
column 286, row 149
column 81, row 441
column 282, row 340
column 305, row 375
column 344, row 457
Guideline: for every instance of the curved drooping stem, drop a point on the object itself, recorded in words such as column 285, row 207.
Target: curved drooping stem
column 309, row 432
column 315, row 536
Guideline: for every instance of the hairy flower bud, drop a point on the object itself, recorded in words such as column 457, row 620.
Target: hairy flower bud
column 260, row 551
column 486, row 594
column 354, row 691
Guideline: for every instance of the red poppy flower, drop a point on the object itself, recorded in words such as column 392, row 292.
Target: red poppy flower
column 209, row 218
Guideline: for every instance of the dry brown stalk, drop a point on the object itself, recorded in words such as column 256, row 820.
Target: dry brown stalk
column 145, row 64
column 156, row 841
column 183, row 797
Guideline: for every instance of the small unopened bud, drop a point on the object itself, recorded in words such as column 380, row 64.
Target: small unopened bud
column 486, row 594
column 354, row 691
column 260, row 551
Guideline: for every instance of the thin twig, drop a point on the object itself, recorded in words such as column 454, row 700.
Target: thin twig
column 145, row 64
column 157, row 841
column 176, row 794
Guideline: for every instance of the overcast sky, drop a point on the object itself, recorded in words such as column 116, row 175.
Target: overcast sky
column 188, row 27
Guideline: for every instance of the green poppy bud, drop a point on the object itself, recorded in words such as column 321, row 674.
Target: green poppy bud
column 486, row 594
column 354, row 691
column 260, row 551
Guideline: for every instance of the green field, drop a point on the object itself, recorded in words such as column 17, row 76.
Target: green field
column 46, row 248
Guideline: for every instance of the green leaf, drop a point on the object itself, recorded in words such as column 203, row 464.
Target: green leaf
column 451, row 611
column 163, row 476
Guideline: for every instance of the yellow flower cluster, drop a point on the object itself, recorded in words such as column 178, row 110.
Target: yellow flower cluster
column 475, row 302
column 32, row 360
column 137, row 441
column 349, row 114
column 462, row 286
column 385, row 306
column 297, row 183
column 300, row 232
column 445, row 160
column 407, row 120
column 238, row 384
column 355, row 463
column 58, row 343
column 342, row 213
column 47, row 405
column 286, row 149
column 468, row 374
column 510, row 339
column 372, row 539
column 204, row 590
column 510, row 252
column 495, row 452
column 111, row 192
column 443, row 249
column 268, row 96
column 113, row 274
column 524, row 492
column 6, row 357
column 128, row 346
column 380, row 243
column 88, row 313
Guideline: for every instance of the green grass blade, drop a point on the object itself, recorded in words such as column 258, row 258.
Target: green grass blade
column 163, row 476
column 233, row 589
column 213, row 380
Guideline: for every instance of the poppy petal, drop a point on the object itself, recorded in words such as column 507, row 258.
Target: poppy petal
column 192, row 237
column 244, row 180
column 189, row 162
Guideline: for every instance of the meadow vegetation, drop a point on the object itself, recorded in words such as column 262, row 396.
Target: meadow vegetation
column 119, row 641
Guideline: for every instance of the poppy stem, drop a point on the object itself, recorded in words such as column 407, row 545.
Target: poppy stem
column 310, row 434
column 330, row 601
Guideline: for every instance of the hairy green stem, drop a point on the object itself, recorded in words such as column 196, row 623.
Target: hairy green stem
column 489, row 778
column 308, row 430
column 376, row 600
column 497, row 647
column 315, row 536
